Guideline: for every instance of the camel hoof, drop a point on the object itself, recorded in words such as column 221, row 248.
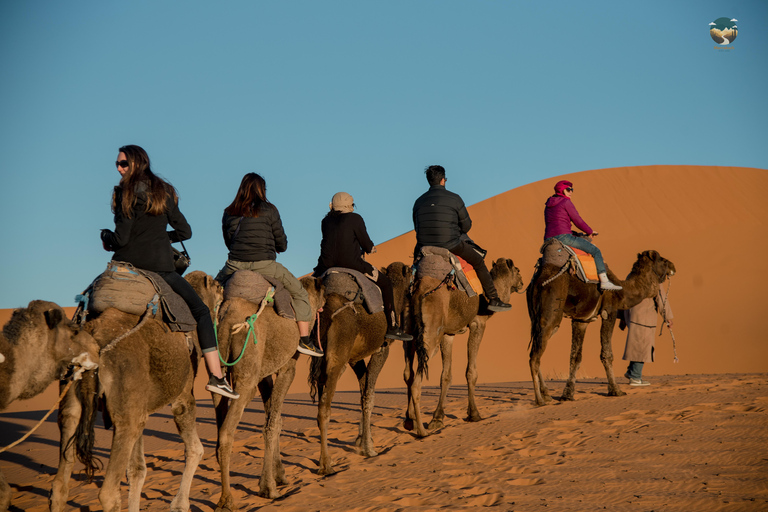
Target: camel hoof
column 408, row 424
column 435, row 424
column 616, row 392
column 269, row 493
column 328, row 471
column 220, row 508
column 567, row 397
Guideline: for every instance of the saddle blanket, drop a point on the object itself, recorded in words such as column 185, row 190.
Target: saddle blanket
column 131, row 290
column 355, row 286
column 557, row 253
column 253, row 287
column 437, row 262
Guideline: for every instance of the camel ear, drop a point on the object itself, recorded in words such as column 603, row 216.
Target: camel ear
column 53, row 317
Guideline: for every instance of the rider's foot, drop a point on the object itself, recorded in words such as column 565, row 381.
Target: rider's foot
column 221, row 386
column 395, row 333
column 307, row 346
column 497, row 305
column 606, row 284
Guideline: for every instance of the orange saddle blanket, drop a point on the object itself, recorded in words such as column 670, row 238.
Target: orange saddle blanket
column 587, row 263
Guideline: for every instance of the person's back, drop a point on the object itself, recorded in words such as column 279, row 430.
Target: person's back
column 254, row 238
column 345, row 239
column 440, row 218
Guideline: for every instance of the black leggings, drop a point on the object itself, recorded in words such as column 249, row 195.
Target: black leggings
column 200, row 311
column 474, row 258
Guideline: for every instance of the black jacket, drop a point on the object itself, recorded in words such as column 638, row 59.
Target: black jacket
column 440, row 218
column 345, row 239
column 142, row 239
column 258, row 238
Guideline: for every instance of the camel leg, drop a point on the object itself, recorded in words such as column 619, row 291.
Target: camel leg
column 5, row 493
column 124, row 440
column 137, row 473
column 578, row 330
column 446, row 351
column 548, row 327
column 272, row 470
column 69, row 417
column 408, row 377
column 606, row 354
column 375, row 364
column 184, row 411
column 247, row 390
column 332, row 372
column 476, row 331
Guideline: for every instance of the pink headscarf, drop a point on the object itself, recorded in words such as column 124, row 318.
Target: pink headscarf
column 561, row 185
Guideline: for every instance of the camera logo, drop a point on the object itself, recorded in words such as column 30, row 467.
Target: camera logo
column 723, row 30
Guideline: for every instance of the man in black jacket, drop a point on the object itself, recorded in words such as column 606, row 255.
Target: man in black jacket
column 441, row 220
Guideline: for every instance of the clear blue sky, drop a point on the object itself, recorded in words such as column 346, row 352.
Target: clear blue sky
column 358, row 96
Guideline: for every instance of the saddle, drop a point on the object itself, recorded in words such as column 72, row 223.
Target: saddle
column 354, row 286
column 131, row 290
column 442, row 264
column 253, row 287
column 579, row 263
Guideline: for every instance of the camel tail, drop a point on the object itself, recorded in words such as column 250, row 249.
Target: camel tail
column 84, row 435
column 422, row 355
column 315, row 370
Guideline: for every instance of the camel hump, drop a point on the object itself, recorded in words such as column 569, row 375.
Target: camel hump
column 253, row 287
column 354, row 286
column 556, row 253
column 438, row 262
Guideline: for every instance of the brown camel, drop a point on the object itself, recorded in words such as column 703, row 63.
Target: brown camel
column 270, row 348
column 568, row 296
column 37, row 346
column 143, row 367
column 349, row 334
column 439, row 314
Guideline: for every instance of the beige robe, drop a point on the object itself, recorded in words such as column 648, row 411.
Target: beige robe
column 641, row 328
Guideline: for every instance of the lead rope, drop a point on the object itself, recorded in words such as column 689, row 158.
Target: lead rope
column 249, row 322
column 76, row 375
column 664, row 316
column 151, row 308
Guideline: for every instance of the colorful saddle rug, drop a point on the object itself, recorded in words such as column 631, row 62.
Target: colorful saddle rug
column 131, row 290
column 354, row 286
column 252, row 286
column 442, row 264
column 582, row 265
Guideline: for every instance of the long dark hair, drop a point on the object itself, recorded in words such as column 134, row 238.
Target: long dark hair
column 139, row 171
column 250, row 198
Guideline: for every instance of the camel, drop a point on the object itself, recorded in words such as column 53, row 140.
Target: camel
column 349, row 334
column 270, row 348
column 143, row 367
column 439, row 314
column 37, row 346
column 583, row 303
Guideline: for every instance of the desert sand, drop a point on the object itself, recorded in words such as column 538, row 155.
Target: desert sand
column 693, row 440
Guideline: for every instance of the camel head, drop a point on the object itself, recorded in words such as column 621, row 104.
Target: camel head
column 70, row 344
column 206, row 287
column 400, row 274
column 315, row 290
column 506, row 277
column 661, row 266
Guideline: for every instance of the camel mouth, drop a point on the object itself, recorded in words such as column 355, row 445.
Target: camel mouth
column 2, row 358
column 84, row 361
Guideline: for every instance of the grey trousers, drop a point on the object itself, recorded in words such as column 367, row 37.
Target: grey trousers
column 271, row 268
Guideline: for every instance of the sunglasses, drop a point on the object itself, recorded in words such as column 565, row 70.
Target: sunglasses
column 122, row 163
column 569, row 189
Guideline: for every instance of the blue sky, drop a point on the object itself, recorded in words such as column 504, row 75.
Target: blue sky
column 358, row 96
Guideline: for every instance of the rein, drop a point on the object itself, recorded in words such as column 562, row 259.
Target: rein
column 249, row 322
column 664, row 316
column 151, row 307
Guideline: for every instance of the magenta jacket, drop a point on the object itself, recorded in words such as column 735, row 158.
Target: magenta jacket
column 559, row 212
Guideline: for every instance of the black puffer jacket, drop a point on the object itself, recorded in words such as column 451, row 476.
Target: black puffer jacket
column 142, row 239
column 440, row 218
column 258, row 239
column 345, row 239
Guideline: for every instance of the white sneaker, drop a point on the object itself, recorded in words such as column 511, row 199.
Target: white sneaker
column 639, row 382
column 606, row 284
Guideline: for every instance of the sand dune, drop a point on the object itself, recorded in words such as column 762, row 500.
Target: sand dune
column 694, row 440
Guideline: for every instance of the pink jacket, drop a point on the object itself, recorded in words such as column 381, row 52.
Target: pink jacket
column 559, row 213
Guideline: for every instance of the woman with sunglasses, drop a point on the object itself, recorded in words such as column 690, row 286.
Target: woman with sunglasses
column 253, row 233
column 559, row 213
column 144, row 205
column 344, row 242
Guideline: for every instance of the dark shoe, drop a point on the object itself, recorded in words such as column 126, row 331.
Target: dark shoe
column 394, row 333
column 308, row 347
column 627, row 375
column 221, row 387
column 497, row 305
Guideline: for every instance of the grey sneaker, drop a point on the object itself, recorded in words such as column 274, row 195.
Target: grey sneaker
column 221, row 387
column 639, row 382
column 307, row 346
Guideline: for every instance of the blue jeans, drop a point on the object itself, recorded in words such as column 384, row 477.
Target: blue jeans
column 635, row 370
column 586, row 246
